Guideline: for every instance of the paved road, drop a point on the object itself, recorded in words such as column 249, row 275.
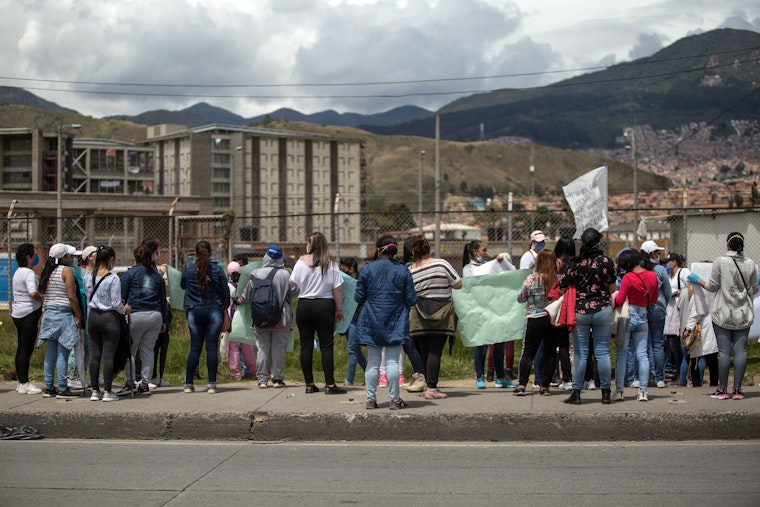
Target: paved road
column 82, row 473
column 242, row 412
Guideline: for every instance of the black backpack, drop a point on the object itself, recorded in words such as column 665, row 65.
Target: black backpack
column 266, row 308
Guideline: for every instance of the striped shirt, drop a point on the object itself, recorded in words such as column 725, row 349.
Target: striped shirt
column 434, row 279
column 56, row 293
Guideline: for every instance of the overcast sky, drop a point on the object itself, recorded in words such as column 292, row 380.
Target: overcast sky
column 357, row 55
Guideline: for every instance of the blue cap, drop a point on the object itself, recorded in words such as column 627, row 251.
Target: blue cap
column 274, row 252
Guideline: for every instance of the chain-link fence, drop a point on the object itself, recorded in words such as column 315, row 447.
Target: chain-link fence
column 697, row 234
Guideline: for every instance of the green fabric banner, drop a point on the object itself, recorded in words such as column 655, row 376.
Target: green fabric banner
column 488, row 310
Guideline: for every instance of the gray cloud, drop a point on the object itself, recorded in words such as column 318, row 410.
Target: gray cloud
column 283, row 43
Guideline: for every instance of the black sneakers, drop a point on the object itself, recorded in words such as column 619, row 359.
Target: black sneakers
column 335, row 390
column 67, row 395
column 49, row 393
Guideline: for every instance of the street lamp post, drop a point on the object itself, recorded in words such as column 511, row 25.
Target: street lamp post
column 10, row 265
column 419, row 194
column 629, row 132
column 59, row 181
column 532, row 196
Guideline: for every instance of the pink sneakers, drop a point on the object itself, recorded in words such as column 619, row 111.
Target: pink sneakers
column 434, row 394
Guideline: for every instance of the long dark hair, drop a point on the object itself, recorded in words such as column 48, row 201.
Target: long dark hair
column 469, row 248
column 47, row 270
column 102, row 258
column 565, row 249
column 385, row 246
column 628, row 259
column 202, row 256
column 24, row 250
column 645, row 261
column 144, row 255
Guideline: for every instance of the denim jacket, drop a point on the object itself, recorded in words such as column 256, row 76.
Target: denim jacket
column 144, row 290
column 216, row 292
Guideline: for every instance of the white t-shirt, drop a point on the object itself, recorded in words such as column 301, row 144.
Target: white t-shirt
column 24, row 281
column 528, row 260
column 683, row 273
column 311, row 283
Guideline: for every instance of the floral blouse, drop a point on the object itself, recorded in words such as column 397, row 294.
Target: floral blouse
column 592, row 278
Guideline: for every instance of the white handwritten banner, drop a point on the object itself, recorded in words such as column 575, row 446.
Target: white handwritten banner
column 587, row 197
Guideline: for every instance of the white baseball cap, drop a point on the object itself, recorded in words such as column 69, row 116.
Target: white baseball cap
column 60, row 250
column 650, row 246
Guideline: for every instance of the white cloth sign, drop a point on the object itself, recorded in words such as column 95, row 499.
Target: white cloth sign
column 587, row 197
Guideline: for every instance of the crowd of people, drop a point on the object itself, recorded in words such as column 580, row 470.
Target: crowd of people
column 575, row 305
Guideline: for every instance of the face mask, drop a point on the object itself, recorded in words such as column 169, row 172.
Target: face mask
column 480, row 259
column 36, row 260
column 669, row 269
column 540, row 246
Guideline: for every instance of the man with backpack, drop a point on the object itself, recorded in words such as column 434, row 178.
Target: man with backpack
column 269, row 294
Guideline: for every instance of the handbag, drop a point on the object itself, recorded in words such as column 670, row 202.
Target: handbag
column 690, row 337
column 553, row 309
column 621, row 316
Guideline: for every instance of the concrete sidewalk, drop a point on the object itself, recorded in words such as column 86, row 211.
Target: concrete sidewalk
column 241, row 411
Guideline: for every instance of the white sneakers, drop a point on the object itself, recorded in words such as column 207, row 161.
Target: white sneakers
column 96, row 396
column 28, row 388
column 660, row 384
column 109, row 396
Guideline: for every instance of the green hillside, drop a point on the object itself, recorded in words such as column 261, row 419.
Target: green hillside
column 709, row 77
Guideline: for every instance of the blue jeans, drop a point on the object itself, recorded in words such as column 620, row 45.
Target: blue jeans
column 205, row 324
column 601, row 324
column 481, row 353
column 56, row 358
column 637, row 334
column 354, row 354
column 372, row 373
column 656, row 343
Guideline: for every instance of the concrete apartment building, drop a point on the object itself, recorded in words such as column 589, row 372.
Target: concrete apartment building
column 281, row 185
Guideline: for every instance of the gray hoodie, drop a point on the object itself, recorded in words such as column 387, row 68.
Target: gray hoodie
column 281, row 283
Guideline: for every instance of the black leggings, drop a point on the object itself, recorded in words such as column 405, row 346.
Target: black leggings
column 410, row 348
column 538, row 330
column 431, row 349
column 27, row 337
column 104, row 331
column 316, row 316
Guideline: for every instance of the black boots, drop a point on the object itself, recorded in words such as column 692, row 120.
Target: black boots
column 606, row 397
column 575, row 398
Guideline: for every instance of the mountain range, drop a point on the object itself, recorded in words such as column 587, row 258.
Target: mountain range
column 711, row 77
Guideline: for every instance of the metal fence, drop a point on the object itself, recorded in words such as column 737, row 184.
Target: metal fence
column 697, row 234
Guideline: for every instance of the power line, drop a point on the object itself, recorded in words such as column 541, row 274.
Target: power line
column 375, row 83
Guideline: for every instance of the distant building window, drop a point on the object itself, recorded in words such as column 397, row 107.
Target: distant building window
column 220, row 172
column 17, row 178
column 220, row 158
column 17, row 144
column 221, row 202
column 17, row 161
column 221, row 188
column 219, row 143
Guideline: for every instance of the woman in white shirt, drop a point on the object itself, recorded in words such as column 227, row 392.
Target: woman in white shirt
column 320, row 302
column 677, row 314
column 26, row 313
